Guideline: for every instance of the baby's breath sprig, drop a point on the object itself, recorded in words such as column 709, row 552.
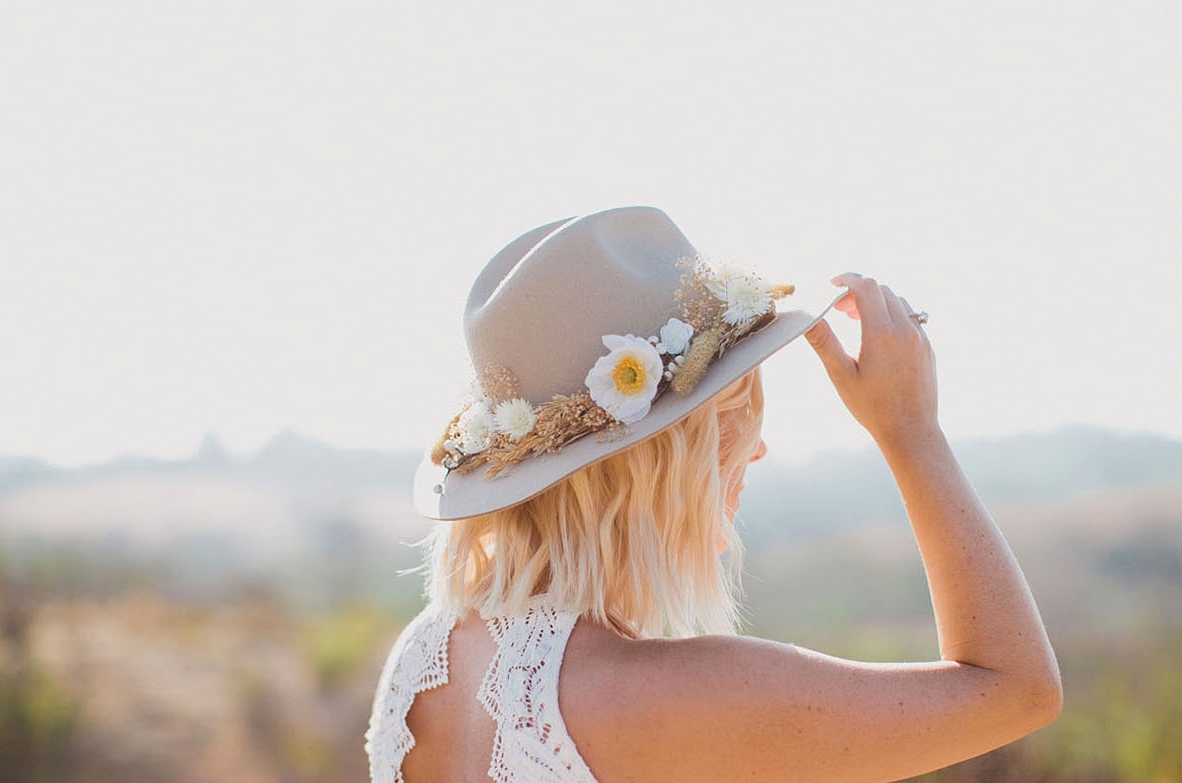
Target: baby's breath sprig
column 699, row 305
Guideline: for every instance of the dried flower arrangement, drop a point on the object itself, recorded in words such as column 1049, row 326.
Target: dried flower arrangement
column 499, row 429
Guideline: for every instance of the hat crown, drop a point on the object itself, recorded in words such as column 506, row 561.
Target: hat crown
column 542, row 305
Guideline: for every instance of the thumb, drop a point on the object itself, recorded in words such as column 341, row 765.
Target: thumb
column 837, row 362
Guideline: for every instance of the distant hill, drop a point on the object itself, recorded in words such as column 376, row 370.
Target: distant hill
column 313, row 479
column 837, row 490
column 320, row 523
column 287, row 458
column 309, row 519
column 16, row 472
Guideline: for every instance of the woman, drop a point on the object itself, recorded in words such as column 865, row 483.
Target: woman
column 592, row 498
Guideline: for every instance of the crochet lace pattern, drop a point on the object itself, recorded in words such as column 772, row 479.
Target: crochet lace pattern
column 417, row 663
column 519, row 691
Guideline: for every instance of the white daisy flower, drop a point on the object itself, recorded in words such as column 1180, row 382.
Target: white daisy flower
column 516, row 418
column 675, row 336
column 625, row 381
column 747, row 296
column 476, row 428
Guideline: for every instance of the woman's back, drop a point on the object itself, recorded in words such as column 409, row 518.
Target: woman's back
column 478, row 699
column 486, row 701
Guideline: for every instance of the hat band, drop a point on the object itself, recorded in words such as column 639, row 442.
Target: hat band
column 497, row 428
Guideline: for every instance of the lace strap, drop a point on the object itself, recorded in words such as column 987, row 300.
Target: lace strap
column 520, row 692
column 417, row 663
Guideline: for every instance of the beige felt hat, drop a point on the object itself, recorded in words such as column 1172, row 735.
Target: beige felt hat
column 541, row 308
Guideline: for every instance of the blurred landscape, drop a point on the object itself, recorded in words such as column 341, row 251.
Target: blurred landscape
column 226, row 617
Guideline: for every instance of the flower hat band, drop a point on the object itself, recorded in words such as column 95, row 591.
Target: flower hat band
column 610, row 325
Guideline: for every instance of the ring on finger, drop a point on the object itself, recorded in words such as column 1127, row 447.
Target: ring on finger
column 921, row 317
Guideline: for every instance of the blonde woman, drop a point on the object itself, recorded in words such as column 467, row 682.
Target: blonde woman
column 581, row 621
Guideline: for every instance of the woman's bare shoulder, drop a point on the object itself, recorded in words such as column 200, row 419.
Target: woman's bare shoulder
column 704, row 674
column 729, row 707
column 649, row 709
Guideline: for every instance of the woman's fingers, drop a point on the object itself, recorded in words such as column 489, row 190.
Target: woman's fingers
column 907, row 306
column 898, row 311
column 838, row 364
column 871, row 308
column 890, row 387
column 848, row 305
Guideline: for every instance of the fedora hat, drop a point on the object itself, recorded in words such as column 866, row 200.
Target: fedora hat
column 586, row 336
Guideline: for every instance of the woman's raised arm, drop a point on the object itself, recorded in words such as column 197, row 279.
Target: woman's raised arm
column 985, row 614
column 759, row 710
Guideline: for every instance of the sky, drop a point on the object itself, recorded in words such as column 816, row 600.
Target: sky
column 242, row 217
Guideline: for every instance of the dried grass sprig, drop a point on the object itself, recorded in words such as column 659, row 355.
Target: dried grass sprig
column 698, row 357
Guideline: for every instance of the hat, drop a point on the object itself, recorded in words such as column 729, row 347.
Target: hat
column 588, row 335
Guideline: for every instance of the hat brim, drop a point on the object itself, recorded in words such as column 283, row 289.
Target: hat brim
column 472, row 493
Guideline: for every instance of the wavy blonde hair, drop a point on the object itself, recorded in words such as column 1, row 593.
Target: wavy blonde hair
column 634, row 540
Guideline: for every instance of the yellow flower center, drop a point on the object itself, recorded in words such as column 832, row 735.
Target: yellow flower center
column 628, row 375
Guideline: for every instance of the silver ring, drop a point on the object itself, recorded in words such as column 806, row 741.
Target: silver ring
column 920, row 318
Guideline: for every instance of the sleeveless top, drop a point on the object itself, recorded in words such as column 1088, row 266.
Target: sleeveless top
column 519, row 691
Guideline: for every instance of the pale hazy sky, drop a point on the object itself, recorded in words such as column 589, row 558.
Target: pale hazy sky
column 244, row 216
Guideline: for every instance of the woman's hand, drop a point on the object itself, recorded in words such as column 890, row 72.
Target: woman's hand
column 891, row 387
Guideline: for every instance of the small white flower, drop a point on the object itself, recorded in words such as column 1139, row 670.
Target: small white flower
column 744, row 293
column 625, row 381
column 675, row 336
column 747, row 296
column 516, row 418
column 476, row 428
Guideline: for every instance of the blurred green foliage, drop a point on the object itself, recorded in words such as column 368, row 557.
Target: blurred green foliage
column 337, row 643
column 37, row 725
column 38, row 719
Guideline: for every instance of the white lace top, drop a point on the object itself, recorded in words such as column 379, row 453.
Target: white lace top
column 519, row 691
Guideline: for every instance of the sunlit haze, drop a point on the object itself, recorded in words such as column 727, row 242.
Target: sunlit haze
column 243, row 217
